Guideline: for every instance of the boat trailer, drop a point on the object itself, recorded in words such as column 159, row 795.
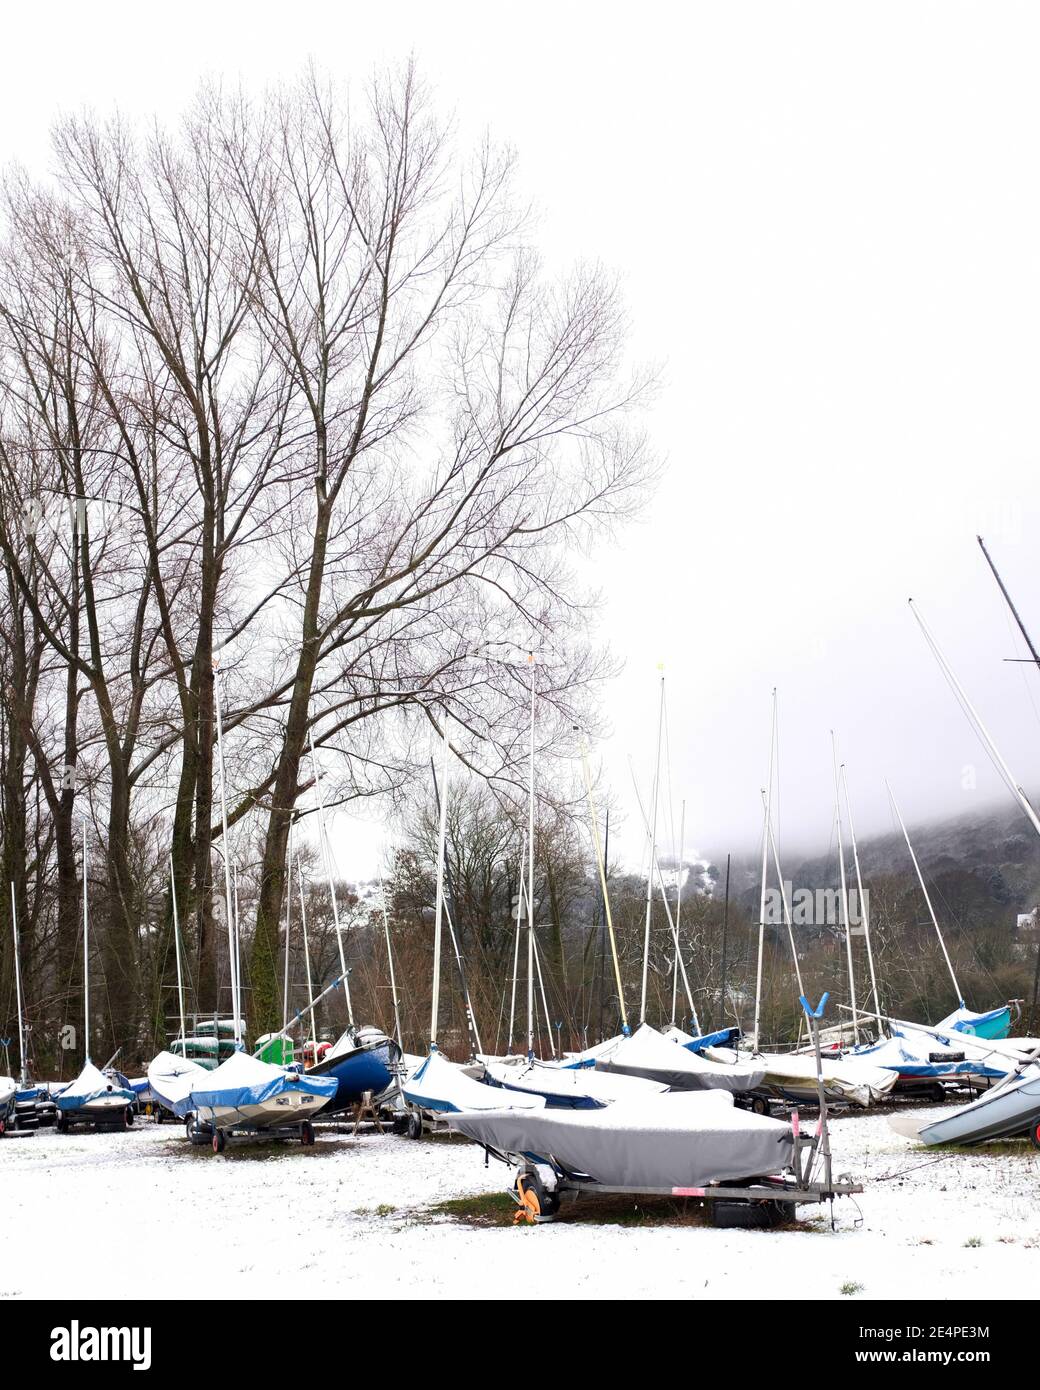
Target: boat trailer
column 200, row 1132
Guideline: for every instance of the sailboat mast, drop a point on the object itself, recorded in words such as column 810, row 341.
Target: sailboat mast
column 765, row 871
column 86, row 955
column 516, row 941
column 1007, row 598
column 439, row 909
column 725, row 942
column 844, row 888
column 601, row 867
column 390, row 962
column 307, row 966
column 22, row 1069
column 653, row 857
column 177, row 948
column 864, row 906
column 788, row 922
column 226, row 856
column 678, row 907
column 924, row 890
column 288, row 921
column 471, row 1018
column 530, row 873
column 326, row 856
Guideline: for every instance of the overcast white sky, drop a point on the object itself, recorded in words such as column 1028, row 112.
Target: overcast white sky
column 827, row 220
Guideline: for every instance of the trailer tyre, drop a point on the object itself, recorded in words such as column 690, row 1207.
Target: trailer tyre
column 307, row 1133
column 548, row 1202
column 219, row 1141
column 759, row 1105
column 61, row 1122
column 129, row 1116
column 400, row 1124
column 415, row 1126
column 1034, row 1135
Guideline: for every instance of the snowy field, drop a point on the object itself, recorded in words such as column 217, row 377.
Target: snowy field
column 141, row 1214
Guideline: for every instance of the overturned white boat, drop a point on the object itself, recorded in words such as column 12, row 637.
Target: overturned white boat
column 649, row 1055
column 439, row 1085
column 568, row 1088
column 664, row 1141
column 1010, row 1108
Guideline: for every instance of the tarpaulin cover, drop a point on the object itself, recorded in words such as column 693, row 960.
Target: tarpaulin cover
column 91, row 1084
column 1011, row 1107
column 171, row 1078
column 244, row 1081
column 858, row 1081
column 671, row 1140
column 995, row 1024
column 570, row 1087
column 647, row 1053
column 437, row 1084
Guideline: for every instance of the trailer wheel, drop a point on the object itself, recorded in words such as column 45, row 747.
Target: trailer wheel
column 193, row 1130
column 759, row 1105
column 400, row 1124
column 129, row 1116
column 1034, row 1135
column 415, row 1125
column 307, row 1133
column 548, row 1202
column 61, row 1122
column 219, row 1141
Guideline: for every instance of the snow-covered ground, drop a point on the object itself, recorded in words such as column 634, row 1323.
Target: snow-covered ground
column 109, row 1215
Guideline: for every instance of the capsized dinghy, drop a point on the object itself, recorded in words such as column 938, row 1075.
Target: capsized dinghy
column 437, row 1084
column 671, row 1140
column 569, row 1088
column 245, row 1093
column 646, row 1053
column 97, row 1097
column 1011, row 1107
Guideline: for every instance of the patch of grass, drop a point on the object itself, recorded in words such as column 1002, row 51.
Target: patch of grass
column 849, row 1288
column 995, row 1148
column 385, row 1209
column 258, row 1151
column 972, row 1243
column 499, row 1208
column 483, row 1209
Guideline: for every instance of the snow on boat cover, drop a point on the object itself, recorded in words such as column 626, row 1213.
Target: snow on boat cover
column 672, row 1140
column 646, row 1053
column 170, row 1079
column 243, row 1082
column 437, row 1084
column 92, row 1089
column 571, row 1088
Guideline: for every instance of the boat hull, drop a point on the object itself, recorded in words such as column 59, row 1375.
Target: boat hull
column 1004, row 1112
column 364, row 1068
column 290, row 1108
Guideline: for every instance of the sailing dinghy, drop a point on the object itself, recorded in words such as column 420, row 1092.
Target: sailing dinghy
column 647, row 1054
column 95, row 1098
column 665, row 1141
column 244, row 1093
column 360, row 1060
column 1009, row 1108
column 569, row 1088
column 440, row 1085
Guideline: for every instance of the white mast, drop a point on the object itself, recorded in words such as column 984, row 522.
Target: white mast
column 226, row 856
column 177, row 949
column 863, row 904
column 530, row 873
column 307, row 961
column 844, row 889
column 924, row 890
column 516, row 940
column 766, row 832
column 439, row 909
column 22, row 1070
column 86, row 956
column 601, row 869
column 787, row 909
column 653, row 856
column 326, row 855
column 288, row 919
column 678, row 907
column 980, row 728
column 390, row 962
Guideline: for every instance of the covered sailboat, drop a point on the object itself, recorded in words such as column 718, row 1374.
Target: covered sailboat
column 647, row 1054
column 170, row 1079
column 994, row 1024
column 245, row 1093
column 360, row 1060
column 666, row 1141
column 441, row 1086
column 569, row 1088
column 96, row 1098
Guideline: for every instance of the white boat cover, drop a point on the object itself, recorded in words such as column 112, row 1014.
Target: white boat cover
column 849, row 1079
column 1009, row 1108
column 8, row 1088
column 588, row 1057
column 171, row 1078
column 91, row 1085
column 437, row 1084
column 243, row 1081
column 666, row 1141
column 572, row 1087
column 646, row 1053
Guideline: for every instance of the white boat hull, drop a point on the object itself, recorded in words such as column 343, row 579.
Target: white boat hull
column 290, row 1108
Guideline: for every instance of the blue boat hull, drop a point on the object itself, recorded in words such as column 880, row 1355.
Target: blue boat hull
column 363, row 1069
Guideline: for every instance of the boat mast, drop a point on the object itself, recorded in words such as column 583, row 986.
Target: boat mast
column 307, row 962
column 678, row 907
column 22, row 1069
column 601, row 866
column 924, row 890
column 390, row 962
column 1007, row 598
column 864, row 906
column 326, row 855
column 844, row 888
column 653, row 856
column 725, row 934
column 86, row 955
column 765, row 870
column 439, row 909
column 788, row 920
column 177, row 949
column 516, row 941
column 530, row 873
column 471, row 1018
column 288, row 920
column 226, row 856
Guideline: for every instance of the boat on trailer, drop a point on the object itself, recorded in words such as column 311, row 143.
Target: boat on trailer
column 97, row 1099
column 246, row 1095
column 361, row 1059
column 646, row 1053
column 568, row 1088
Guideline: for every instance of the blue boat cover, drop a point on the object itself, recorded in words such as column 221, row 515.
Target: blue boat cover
column 243, row 1080
column 91, row 1084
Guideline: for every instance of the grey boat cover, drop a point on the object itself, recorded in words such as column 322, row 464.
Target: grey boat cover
column 1011, row 1107
column 647, row 1053
column 574, row 1086
column 673, row 1140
